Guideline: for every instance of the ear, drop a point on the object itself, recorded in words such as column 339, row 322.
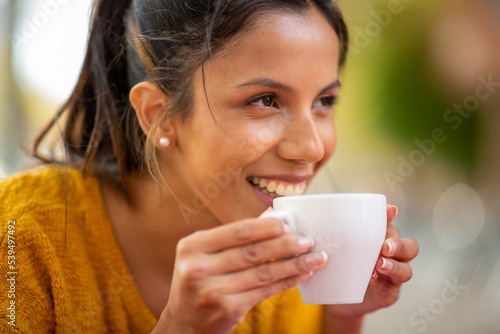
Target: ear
column 149, row 102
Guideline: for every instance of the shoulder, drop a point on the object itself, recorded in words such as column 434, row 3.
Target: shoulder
column 44, row 187
column 41, row 224
column 46, row 199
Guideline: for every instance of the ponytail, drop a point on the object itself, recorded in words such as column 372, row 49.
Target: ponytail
column 98, row 112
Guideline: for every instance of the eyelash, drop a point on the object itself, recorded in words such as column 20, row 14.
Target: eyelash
column 261, row 98
column 327, row 101
column 330, row 100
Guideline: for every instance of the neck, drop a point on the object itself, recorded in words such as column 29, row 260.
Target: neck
column 148, row 224
column 153, row 215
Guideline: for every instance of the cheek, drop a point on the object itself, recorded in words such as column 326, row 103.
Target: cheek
column 253, row 140
column 229, row 150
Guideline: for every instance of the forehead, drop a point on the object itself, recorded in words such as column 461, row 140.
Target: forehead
column 280, row 43
column 310, row 25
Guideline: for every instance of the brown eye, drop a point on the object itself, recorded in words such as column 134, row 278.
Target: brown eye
column 327, row 101
column 266, row 101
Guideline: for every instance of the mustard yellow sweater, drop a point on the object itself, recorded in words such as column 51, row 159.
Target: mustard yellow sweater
column 62, row 270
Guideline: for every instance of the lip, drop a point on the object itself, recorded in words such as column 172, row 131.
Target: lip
column 288, row 178
column 268, row 200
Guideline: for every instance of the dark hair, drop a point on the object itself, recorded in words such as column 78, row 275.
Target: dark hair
column 154, row 40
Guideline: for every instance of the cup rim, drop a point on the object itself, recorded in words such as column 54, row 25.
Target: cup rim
column 332, row 195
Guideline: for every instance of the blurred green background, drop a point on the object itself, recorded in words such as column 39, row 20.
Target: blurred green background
column 418, row 120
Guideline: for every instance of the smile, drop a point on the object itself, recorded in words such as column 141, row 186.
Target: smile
column 277, row 188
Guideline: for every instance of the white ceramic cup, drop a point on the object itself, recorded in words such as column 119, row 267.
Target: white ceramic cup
column 350, row 228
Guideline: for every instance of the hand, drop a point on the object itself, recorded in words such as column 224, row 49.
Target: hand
column 391, row 271
column 219, row 274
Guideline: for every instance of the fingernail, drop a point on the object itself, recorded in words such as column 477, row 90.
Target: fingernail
column 395, row 207
column 314, row 260
column 391, row 246
column 387, row 265
column 324, row 255
column 375, row 274
column 306, row 243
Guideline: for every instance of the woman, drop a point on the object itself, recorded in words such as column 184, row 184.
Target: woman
column 189, row 117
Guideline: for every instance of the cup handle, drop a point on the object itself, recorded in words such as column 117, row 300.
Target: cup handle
column 286, row 215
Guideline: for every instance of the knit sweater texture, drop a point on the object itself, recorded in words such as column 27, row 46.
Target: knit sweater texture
column 62, row 270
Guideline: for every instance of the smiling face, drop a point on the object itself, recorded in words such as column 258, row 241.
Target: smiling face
column 271, row 93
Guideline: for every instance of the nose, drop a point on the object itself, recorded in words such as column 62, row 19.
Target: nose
column 302, row 140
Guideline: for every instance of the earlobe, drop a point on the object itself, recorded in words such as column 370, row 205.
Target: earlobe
column 149, row 103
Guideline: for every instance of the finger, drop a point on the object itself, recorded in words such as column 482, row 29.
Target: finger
column 392, row 211
column 235, row 234
column 269, row 273
column 235, row 306
column 255, row 296
column 392, row 232
column 251, row 255
column 398, row 272
column 400, row 249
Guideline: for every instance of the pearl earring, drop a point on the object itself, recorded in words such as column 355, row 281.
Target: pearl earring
column 164, row 142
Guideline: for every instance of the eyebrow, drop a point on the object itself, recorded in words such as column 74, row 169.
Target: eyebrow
column 278, row 85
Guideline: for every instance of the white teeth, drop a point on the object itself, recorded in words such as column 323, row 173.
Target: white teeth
column 275, row 188
column 298, row 190
column 280, row 190
column 271, row 186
